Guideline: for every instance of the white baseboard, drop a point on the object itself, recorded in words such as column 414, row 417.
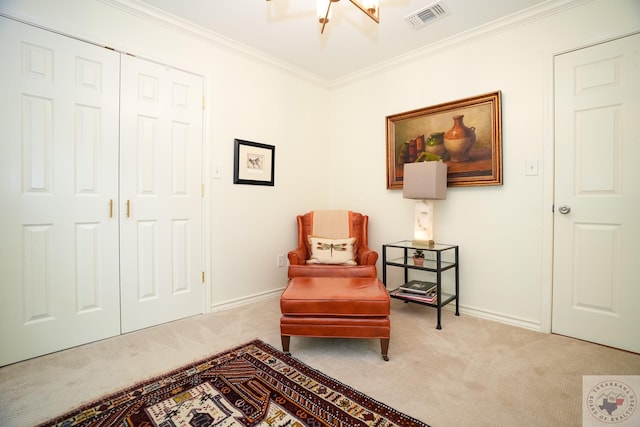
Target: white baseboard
column 226, row 305
column 469, row 311
column 497, row 317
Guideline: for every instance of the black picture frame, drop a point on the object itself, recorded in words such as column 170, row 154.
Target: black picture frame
column 254, row 163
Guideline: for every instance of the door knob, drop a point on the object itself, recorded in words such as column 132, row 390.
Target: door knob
column 564, row 209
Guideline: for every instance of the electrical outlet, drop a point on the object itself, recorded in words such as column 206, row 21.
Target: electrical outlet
column 280, row 260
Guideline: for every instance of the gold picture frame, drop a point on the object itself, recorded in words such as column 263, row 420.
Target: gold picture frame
column 473, row 158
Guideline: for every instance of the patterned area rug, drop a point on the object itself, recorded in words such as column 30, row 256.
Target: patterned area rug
column 250, row 385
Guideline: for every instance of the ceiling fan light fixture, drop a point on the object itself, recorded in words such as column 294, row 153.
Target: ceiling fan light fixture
column 323, row 8
column 371, row 6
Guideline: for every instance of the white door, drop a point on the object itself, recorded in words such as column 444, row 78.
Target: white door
column 59, row 284
column 161, row 194
column 596, row 282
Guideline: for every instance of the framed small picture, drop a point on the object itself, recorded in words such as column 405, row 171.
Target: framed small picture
column 466, row 134
column 254, row 163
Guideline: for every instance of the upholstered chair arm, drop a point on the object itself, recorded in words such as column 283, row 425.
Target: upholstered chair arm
column 298, row 256
column 368, row 256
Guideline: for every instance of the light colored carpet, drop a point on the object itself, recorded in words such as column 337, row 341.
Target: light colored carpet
column 472, row 372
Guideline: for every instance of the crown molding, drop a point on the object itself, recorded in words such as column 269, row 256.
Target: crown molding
column 188, row 28
column 173, row 23
column 507, row 23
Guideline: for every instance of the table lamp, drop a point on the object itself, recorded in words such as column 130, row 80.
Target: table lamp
column 424, row 181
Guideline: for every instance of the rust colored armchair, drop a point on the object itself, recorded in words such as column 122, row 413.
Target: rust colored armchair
column 341, row 225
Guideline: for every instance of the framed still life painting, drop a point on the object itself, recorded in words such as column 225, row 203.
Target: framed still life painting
column 466, row 134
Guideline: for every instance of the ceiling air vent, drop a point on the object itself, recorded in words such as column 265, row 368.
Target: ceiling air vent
column 426, row 15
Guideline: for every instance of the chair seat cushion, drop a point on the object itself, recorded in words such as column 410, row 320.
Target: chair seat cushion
column 335, row 296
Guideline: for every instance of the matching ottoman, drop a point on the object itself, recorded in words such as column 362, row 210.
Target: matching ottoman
column 338, row 307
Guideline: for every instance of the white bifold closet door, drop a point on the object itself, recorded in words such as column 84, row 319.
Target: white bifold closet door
column 161, row 194
column 59, row 178
column 100, row 196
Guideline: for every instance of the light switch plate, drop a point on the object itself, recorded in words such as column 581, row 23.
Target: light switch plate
column 217, row 173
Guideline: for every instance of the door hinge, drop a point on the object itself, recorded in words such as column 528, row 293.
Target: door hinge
column 203, row 102
column 203, row 277
column 202, row 190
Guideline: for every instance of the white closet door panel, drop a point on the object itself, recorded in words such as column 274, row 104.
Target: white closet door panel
column 58, row 173
column 161, row 179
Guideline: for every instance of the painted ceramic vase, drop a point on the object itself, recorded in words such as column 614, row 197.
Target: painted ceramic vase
column 459, row 139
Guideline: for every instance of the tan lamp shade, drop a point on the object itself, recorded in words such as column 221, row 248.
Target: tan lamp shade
column 425, row 180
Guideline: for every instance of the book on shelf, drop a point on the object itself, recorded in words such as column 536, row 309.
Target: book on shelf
column 417, row 287
column 431, row 298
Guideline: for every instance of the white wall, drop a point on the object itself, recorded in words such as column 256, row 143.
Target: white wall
column 504, row 232
column 248, row 98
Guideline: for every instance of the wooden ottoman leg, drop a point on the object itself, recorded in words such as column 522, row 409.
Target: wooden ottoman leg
column 286, row 339
column 384, row 347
